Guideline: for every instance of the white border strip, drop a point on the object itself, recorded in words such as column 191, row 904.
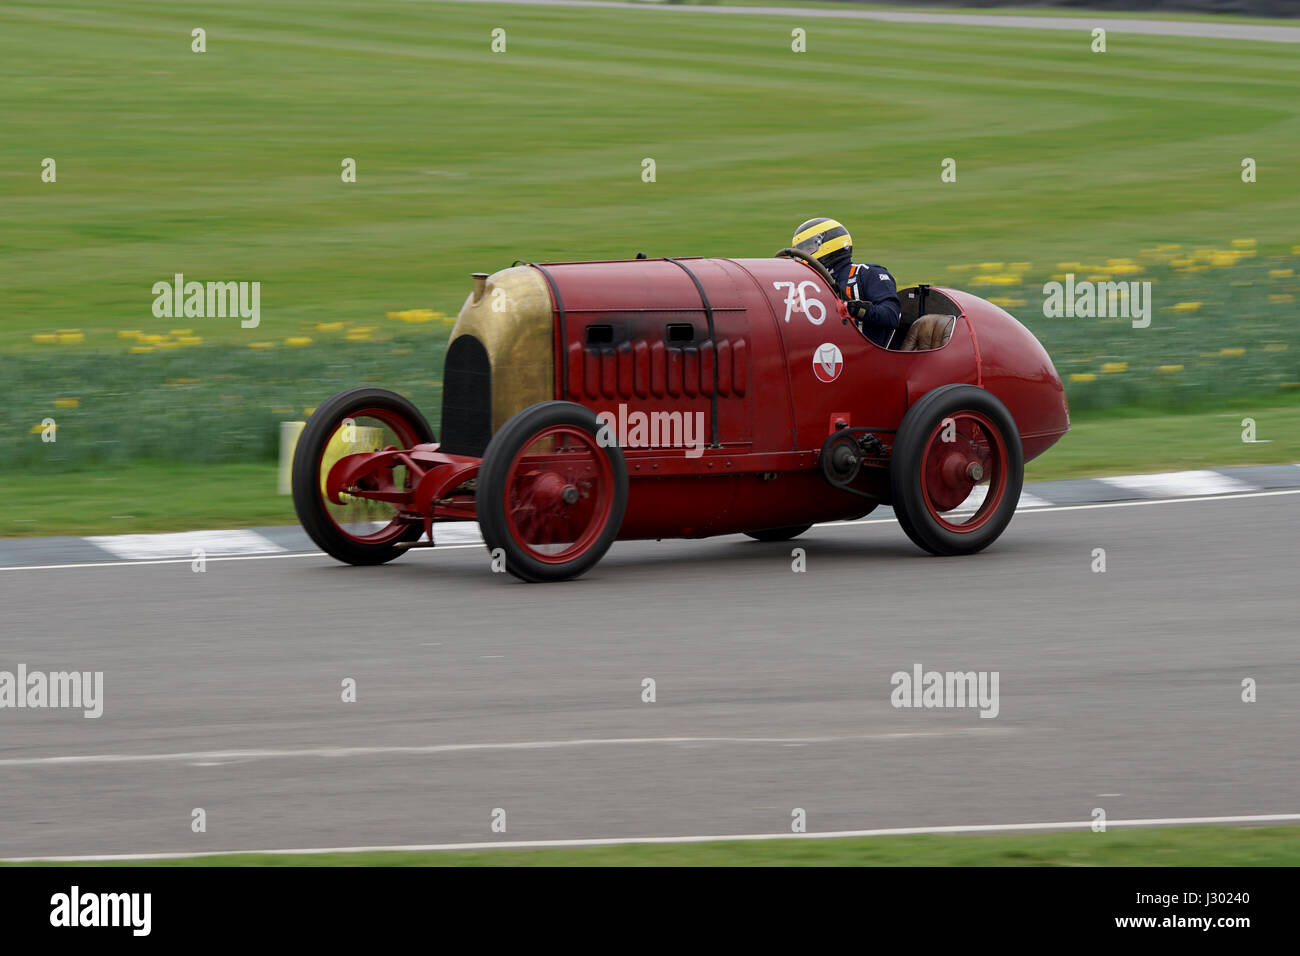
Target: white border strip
column 716, row 838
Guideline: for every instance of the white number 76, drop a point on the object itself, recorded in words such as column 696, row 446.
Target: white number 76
column 796, row 300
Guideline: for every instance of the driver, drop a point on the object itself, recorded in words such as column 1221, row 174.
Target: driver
column 870, row 290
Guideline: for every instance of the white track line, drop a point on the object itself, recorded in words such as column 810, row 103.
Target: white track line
column 266, row 754
column 723, row 838
column 1053, row 509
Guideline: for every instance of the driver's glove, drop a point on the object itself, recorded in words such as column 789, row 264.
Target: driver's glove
column 859, row 308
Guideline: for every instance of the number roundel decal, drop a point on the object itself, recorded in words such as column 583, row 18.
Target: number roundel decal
column 828, row 362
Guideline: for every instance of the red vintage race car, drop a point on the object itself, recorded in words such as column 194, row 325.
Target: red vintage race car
column 585, row 402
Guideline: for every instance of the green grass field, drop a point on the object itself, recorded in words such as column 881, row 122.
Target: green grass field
column 225, row 165
column 1175, row 846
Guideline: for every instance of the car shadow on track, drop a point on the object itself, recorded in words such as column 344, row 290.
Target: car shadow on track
column 729, row 555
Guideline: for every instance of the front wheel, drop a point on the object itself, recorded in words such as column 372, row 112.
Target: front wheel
column 550, row 495
column 355, row 530
column 957, row 470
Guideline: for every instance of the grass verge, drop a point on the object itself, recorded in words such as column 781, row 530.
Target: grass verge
column 1174, row 846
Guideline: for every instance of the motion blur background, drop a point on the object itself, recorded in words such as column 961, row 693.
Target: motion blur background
column 225, row 166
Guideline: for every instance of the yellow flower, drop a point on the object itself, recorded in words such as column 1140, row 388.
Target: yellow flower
column 1082, row 377
column 67, row 403
column 415, row 315
column 1186, row 306
column 1169, row 368
column 1112, row 367
column 297, row 341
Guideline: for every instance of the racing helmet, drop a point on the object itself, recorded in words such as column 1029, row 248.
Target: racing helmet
column 823, row 239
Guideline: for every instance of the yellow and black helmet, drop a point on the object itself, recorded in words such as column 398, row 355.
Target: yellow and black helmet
column 822, row 238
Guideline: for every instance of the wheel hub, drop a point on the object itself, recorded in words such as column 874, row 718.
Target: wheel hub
column 551, row 490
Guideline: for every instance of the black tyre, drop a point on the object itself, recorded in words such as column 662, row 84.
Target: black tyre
column 549, row 494
column 779, row 534
column 956, row 440
column 358, row 530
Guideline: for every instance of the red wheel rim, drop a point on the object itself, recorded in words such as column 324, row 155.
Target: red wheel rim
column 964, row 473
column 365, row 520
column 559, row 494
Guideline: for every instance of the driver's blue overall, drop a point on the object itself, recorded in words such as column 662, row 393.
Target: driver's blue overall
column 871, row 290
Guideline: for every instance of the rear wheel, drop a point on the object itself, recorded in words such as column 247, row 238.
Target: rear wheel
column 957, row 470
column 549, row 495
column 355, row 530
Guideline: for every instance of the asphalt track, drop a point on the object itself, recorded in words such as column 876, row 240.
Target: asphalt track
column 1119, row 690
column 1205, row 29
